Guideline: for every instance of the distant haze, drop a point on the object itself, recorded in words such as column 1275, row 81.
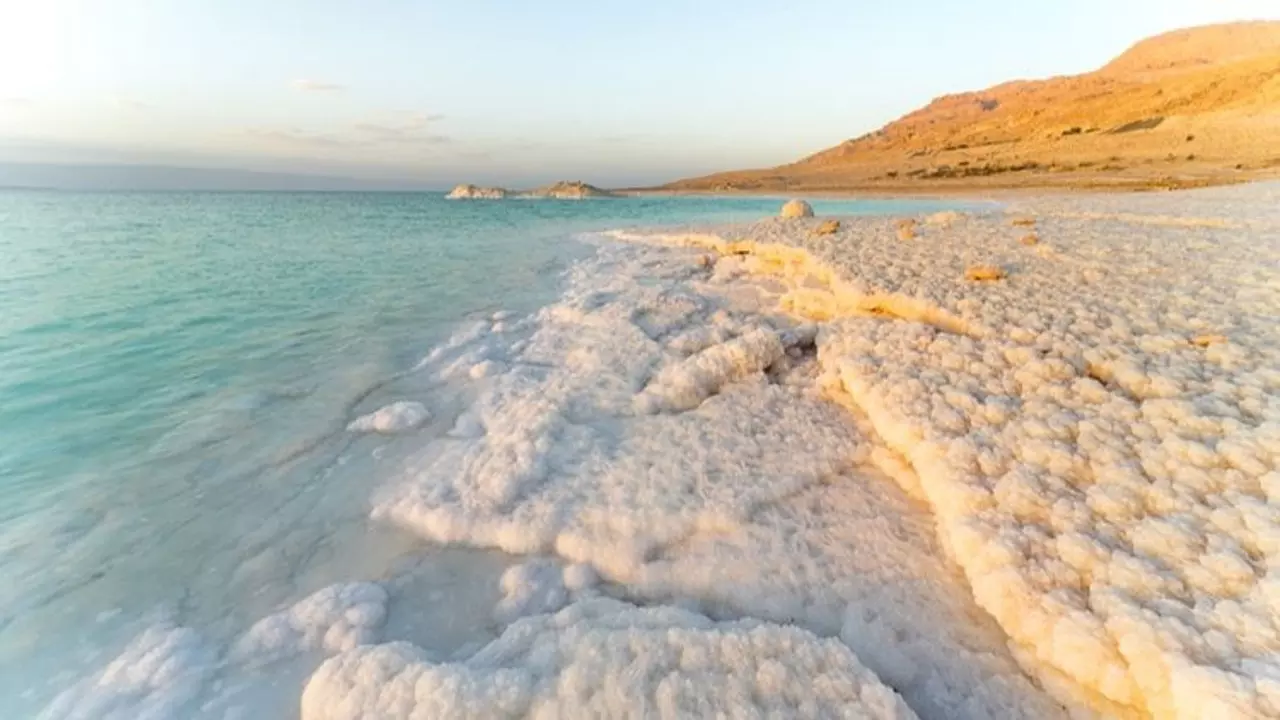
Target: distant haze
column 157, row 177
column 424, row 94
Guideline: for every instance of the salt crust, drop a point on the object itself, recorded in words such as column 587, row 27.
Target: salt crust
column 167, row 667
column 663, row 426
column 1109, row 485
column 334, row 619
column 604, row 658
column 153, row 678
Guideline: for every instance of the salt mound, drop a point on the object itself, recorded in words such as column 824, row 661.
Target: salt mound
column 396, row 417
column 604, row 658
column 797, row 209
column 334, row 619
column 531, row 588
column 155, row 677
column 686, row 385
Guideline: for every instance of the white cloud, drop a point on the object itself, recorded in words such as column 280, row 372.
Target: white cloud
column 317, row 86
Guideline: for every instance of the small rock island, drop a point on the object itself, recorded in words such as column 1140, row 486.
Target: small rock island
column 564, row 190
column 475, row 192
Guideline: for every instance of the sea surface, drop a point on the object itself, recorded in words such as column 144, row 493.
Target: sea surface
column 177, row 371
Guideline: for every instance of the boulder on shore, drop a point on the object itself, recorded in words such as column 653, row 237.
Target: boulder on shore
column 797, row 209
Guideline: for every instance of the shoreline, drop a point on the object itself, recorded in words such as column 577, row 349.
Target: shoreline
column 928, row 488
column 1029, row 187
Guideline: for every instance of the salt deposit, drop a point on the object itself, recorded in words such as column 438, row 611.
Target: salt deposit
column 818, row 476
column 396, row 417
column 334, row 619
column 155, row 677
column 663, row 426
column 1107, row 483
column 603, row 658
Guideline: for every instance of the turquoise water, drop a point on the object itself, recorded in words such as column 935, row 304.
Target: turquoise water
column 176, row 370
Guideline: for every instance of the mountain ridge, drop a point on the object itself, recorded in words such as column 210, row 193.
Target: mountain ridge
column 1192, row 106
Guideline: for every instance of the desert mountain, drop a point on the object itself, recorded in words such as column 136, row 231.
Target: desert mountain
column 1194, row 106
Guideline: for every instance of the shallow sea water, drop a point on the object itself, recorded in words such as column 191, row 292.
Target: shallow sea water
column 177, row 372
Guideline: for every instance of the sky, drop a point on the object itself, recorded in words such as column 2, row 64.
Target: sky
column 519, row 92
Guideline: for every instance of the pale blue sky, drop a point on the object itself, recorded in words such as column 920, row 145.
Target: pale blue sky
column 521, row 91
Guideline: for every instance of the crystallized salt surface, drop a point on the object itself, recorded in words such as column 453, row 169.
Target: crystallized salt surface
column 334, row 619
column 154, row 678
column 1098, row 433
column 604, row 658
column 663, row 426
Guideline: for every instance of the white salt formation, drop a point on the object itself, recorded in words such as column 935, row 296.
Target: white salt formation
column 394, row 418
column 604, row 658
column 154, row 677
column 1108, row 484
column 334, row 619
column 662, row 426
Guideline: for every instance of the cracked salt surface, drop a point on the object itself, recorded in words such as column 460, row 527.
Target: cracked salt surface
column 817, row 476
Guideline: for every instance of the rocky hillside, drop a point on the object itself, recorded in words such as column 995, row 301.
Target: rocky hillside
column 1195, row 106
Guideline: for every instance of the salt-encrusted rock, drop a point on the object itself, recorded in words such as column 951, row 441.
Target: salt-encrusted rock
column 1207, row 340
column 829, row 227
column 944, row 219
column 983, row 273
column 394, row 418
column 474, row 192
column 796, row 209
column 905, row 228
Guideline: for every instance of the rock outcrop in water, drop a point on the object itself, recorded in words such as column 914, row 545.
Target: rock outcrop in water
column 475, row 192
column 563, row 190
column 566, row 190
